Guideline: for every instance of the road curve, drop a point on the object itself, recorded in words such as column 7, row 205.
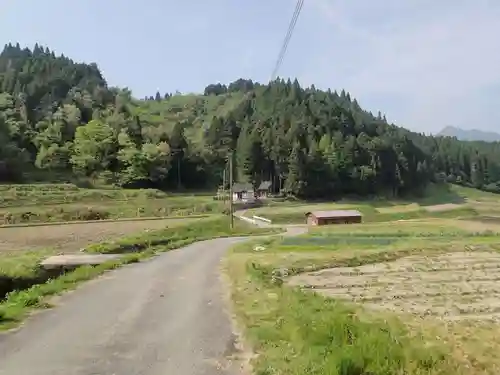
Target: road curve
column 163, row 316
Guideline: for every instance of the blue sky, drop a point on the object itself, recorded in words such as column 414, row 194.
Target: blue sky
column 424, row 63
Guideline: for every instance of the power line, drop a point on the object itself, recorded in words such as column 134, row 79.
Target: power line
column 300, row 4
column 288, row 36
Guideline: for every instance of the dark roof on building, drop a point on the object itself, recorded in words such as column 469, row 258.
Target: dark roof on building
column 336, row 213
column 265, row 185
column 241, row 187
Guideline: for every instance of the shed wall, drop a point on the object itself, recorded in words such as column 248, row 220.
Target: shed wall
column 312, row 220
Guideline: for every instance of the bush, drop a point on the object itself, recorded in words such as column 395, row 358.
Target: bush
column 3, row 315
column 91, row 214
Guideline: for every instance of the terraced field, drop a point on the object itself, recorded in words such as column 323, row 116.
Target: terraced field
column 453, row 286
column 40, row 203
column 414, row 289
column 74, row 236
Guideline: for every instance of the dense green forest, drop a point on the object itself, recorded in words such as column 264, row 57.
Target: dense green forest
column 59, row 120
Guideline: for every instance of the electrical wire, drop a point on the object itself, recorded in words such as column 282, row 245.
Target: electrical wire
column 288, row 36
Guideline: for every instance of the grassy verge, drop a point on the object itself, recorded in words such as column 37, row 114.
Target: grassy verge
column 174, row 237
column 17, row 304
column 297, row 332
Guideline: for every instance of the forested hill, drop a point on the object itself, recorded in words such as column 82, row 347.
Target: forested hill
column 60, row 118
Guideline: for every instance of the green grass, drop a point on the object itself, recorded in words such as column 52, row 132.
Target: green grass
column 18, row 304
column 297, row 332
column 338, row 341
column 467, row 193
column 294, row 332
column 23, row 266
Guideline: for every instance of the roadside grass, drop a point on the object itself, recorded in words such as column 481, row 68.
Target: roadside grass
column 18, row 304
column 22, row 266
column 174, row 237
column 66, row 202
column 340, row 341
column 297, row 332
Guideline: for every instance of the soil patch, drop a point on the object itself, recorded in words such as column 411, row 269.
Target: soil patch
column 73, row 237
column 452, row 286
column 475, row 225
column 443, row 207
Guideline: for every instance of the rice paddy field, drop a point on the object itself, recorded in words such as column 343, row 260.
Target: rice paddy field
column 63, row 218
column 40, row 220
column 40, row 203
column 395, row 295
column 441, row 202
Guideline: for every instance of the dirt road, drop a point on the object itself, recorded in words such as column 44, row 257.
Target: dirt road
column 163, row 316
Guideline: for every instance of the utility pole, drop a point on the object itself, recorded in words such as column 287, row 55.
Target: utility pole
column 224, row 185
column 231, row 218
column 178, row 173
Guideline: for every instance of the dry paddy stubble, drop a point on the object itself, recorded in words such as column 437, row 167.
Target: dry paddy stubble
column 72, row 237
column 452, row 287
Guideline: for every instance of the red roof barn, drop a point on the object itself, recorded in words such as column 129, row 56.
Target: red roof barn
column 333, row 217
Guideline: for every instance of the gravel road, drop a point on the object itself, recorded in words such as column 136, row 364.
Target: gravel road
column 161, row 317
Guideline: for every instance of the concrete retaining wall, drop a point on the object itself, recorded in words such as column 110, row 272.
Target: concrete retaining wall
column 262, row 219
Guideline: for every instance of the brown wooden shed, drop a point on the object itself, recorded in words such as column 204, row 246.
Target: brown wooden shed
column 334, row 217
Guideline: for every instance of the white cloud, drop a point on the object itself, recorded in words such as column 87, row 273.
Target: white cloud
column 438, row 56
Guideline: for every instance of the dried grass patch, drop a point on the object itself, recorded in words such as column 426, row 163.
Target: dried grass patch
column 72, row 237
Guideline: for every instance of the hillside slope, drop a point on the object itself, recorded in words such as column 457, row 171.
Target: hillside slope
column 59, row 117
column 469, row 135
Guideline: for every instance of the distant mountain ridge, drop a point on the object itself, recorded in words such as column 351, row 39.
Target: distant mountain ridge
column 469, row 135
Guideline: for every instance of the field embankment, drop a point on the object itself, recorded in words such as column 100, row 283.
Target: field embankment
column 39, row 203
column 383, row 297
